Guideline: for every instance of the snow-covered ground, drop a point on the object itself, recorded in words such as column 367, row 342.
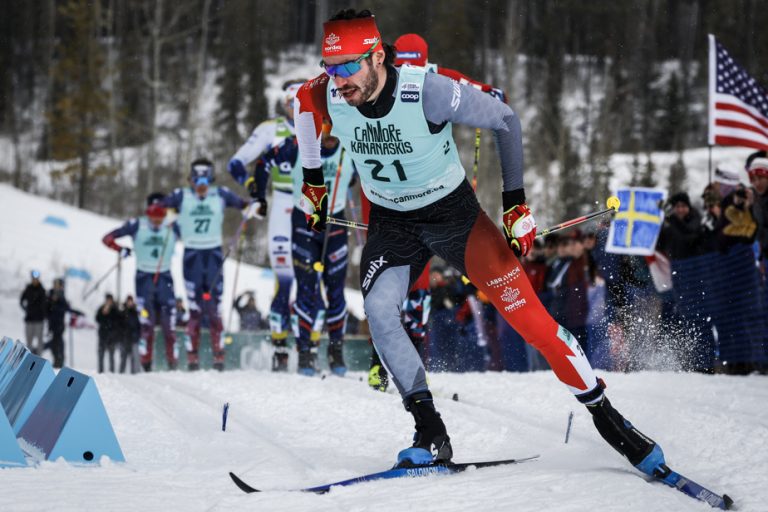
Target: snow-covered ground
column 288, row 431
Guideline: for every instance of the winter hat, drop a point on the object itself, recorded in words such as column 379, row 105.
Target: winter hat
column 411, row 49
column 680, row 197
column 758, row 167
column 350, row 37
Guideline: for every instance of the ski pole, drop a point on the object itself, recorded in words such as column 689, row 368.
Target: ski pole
column 228, row 337
column 319, row 266
column 353, row 210
column 207, row 295
column 612, row 203
column 477, row 159
column 101, row 280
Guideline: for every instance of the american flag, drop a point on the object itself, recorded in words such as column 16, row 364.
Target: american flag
column 738, row 105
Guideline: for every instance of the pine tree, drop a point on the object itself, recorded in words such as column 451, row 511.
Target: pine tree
column 81, row 101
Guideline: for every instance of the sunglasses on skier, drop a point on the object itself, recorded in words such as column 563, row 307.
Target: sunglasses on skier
column 346, row 69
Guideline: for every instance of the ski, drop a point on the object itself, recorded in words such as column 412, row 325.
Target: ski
column 694, row 490
column 405, row 472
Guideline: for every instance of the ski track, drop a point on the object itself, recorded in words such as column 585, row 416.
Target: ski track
column 286, row 431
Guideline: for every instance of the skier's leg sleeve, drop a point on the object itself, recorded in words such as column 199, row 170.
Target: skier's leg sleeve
column 493, row 268
column 397, row 353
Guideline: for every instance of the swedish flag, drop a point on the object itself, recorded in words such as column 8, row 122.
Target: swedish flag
column 635, row 228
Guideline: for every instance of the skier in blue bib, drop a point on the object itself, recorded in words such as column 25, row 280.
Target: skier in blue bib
column 201, row 221
column 307, row 246
column 396, row 127
column 153, row 244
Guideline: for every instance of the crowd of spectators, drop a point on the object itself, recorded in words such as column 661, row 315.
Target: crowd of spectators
column 700, row 304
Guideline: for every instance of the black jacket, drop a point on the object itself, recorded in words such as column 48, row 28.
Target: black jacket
column 680, row 239
column 131, row 325
column 34, row 303
column 57, row 309
column 110, row 323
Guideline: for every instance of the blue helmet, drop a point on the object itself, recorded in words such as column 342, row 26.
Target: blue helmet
column 201, row 172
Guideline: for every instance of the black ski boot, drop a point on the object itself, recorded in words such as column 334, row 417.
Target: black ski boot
column 308, row 362
column 336, row 357
column 641, row 451
column 430, row 430
column 280, row 357
column 147, row 366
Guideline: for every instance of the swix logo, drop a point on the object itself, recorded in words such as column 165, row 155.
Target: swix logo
column 526, row 226
column 374, row 266
column 370, row 40
column 510, row 295
column 456, row 99
column 505, row 279
column 332, row 39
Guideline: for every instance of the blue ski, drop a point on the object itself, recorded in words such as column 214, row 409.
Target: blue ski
column 405, row 472
column 692, row 489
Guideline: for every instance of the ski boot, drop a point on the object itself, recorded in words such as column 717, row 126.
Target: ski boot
column 378, row 378
column 193, row 367
column 308, row 362
column 430, row 442
column 336, row 357
column 218, row 366
column 641, row 451
column 147, row 366
column 280, row 357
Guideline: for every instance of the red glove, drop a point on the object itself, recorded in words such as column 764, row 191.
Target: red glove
column 109, row 241
column 519, row 225
column 314, row 199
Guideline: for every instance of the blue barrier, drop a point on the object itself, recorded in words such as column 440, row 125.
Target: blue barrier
column 11, row 363
column 25, row 390
column 55, row 221
column 10, row 453
column 722, row 291
column 70, row 422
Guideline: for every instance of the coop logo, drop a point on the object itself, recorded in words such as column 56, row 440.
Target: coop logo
column 373, row 267
column 511, row 295
column 507, row 278
column 409, row 97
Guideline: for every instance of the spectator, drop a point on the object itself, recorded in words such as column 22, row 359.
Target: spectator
column 757, row 167
column 711, row 219
column 109, row 319
column 575, row 286
column 681, row 234
column 250, row 318
column 33, row 302
column 182, row 315
column 736, row 225
column 58, row 307
column 129, row 341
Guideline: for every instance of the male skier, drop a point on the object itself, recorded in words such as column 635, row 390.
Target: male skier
column 307, row 248
column 153, row 244
column 201, row 220
column 266, row 136
column 396, row 127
